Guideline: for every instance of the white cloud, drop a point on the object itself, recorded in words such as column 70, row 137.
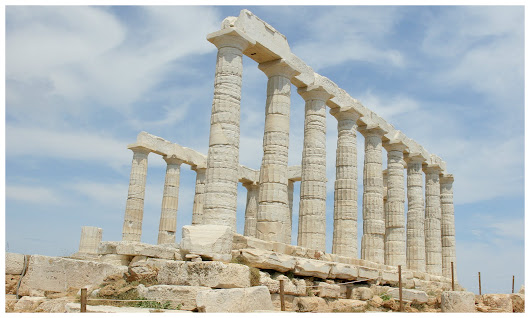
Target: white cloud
column 102, row 193
column 36, row 195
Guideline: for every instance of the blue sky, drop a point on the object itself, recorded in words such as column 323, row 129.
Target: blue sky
column 82, row 82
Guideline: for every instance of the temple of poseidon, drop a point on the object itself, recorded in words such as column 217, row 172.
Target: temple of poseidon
column 422, row 240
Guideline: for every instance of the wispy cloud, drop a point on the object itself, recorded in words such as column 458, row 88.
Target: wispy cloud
column 36, row 195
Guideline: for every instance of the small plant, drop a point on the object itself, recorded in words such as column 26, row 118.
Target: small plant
column 154, row 304
column 385, row 297
column 254, row 276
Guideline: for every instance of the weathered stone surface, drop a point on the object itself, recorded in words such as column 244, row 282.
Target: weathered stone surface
column 433, row 215
column 11, row 300
column 362, row 293
column 107, row 247
column 288, row 300
column 325, row 290
column 521, row 290
column 234, row 300
column 311, row 304
column 251, row 209
column 28, row 304
column 448, row 225
column 144, row 249
column 53, row 306
column 498, row 302
column 168, row 215
column 310, row 267
column 418, row 296
column 14, row 263
column 348, row 305
column 368, row 273
column 198, row 199
column 456, row 301
column 376, row 301
column 206, row 240
column 74, row 308
column 242, row 242
column 208, row 274
column 186, row 296
column 115, row 259
column 389, row 277
column 11, row 283
column 415, row 214
column 90, row 239
column 344, row 271
column 268, row 260
column 517, row 302
column 60, row 274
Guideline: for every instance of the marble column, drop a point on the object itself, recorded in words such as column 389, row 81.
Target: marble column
column 373, row 239
column 168, row 216
column 273, row 209
column 220, row 201
column 251, row 210
column 90, row 239
column 198, row 200
column 345, row 203
column 433, row 216
column 415, row 214
column 289, row 230
column 134, row 208
column 395, row 244
column 448, row 225
column 312, row 212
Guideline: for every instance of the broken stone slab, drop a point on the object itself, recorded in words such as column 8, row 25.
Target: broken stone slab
column 242, row 242
column 517, row 302
column 311, row 267
column 209, row 274
column 143, row 249
column 14, row 263
column 292, row 286
column 288, row 300
column 498, row 302
column 368, row 273
column 418, row 296
column 348, row 305
column 53, row 305
column 234, row 300
column 344, row 271
column 107, row 247
column 115, row 259
column 75, row 307
column 186, row 296
column 311, row 304
column 268, row 260
column 457, row 301
column 326, row 290
column 57, row 274
column 28, row 304
column 389, row 277
column 208, row 241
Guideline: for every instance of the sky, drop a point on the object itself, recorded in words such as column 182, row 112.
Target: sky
column 82, row 81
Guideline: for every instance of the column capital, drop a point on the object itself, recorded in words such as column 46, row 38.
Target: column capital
column 395, row 146
column 345, row 113
column 432, row 169
column 279, row 67
column 314, row 92
column 231, row 37
column 446, row 178
column 173, row 160
column 139, row 149
column 372, row 131
column 249, row 185
column 198, row 168
column 414, row 157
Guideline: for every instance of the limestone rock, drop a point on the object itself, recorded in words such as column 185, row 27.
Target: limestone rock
column 288, row 300
column 107, row 247
column 517, row 302
column 206, row 240
column 59, row 274
column 115, row 259
column 376, row 301
column 457, row 301
column 418, row 296
column 348, row 305
column 310, row 267
column 11, row 301
column 268, row 260
column 344, row 271
column 14, row 263
column 325, row 290
column 186, row 296
column 11, row 283
column 131, row 248
column 311, row 304
column 74, row 308
column 28, row 304
column 272, row 284
column 53, row 306
column 521, row 290
column 234, row 300
column 242, row 242
column 139, row 273
column 363, row 293
column 208, row 274
column 498, row 302
column 368, row 273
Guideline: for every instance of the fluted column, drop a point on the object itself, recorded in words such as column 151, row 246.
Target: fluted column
column 198, row 199
column 312, row 212
column 168, row 216
column 395, row 244
column 372, row 243
column 273, row 209
column 220, row 202
column 433, row 216
column 90, row 239
column 289, row 230
column 251, row 210
column 415, row 214
column 345, row 203
column 134, row 208
column 448, row 225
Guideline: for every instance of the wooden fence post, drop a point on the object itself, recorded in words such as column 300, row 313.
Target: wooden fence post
column 513, row 282
column 282, row 298
column 479, row 285
column 83, row 299
column 400, row 290
column 452, row 276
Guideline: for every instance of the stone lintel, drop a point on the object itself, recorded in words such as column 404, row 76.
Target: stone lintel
column 369, row 127
column 294, row 173
column 414, row 157
column 139, row 148
column 231, row 37
column 306, row 76
column 446, row 178
column 278, row 67
column 327, row 84
column 314, row 92
column 435, row 162
column 196, row 168
column 435, row 168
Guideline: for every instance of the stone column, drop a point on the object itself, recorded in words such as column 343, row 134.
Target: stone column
column 448, row 225
column 273, row 210
column 251, row 210
column 90, row 239
column 415, row 214
column 345, row 204
column 373, row 241
column 395, row 245
column 220, row 201
column 168, row 216
column 198, row 200
column 312, row 212
column 134, row 208
column 433, row 216
column 289, row 230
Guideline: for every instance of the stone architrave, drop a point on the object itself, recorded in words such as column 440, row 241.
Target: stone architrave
column 395, row 245
column 373, row 241
column 415, row 214
column 168, row 217
column 345, row 204
column 90, row 239
column 198, row 200
column 134, row 208
column 448, row 225
column 312, row 211
column 273, row 209
column 251, row 210
column 433, row 216
column 220, row 202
